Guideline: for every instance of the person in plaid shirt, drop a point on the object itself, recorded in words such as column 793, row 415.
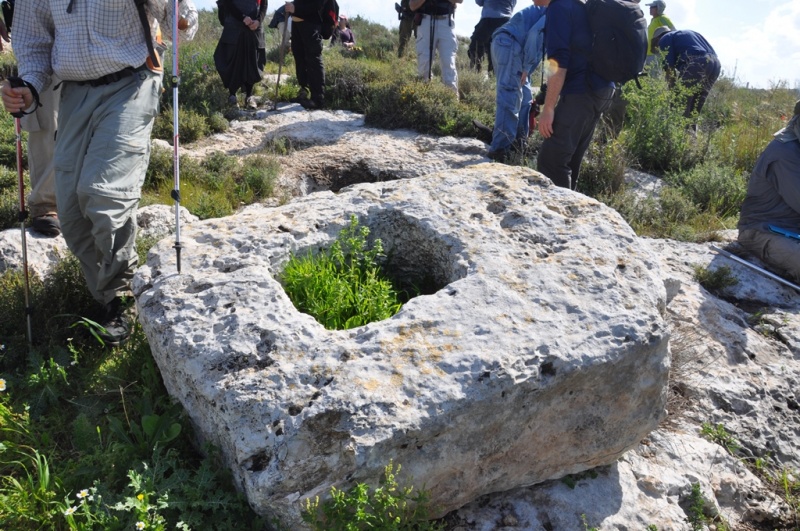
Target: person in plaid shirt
column 111, row 82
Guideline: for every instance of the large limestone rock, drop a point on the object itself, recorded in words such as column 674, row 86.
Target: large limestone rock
column 541, row 351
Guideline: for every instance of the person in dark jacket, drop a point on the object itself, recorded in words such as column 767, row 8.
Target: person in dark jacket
column 690, row 59
column 773, row 202
column 307, row 51
column 575, row 96
column 241, row 55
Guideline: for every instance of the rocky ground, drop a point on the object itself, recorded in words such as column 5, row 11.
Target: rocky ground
column 735, row 354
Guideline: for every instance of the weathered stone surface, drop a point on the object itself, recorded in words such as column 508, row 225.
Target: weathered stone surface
column 155, row 221
column 542, row 352
column 735, row 364
column 42, row 251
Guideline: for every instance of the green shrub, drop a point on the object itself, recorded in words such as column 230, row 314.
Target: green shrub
column 192, row 126
column 387, row 507
column 342, row 287
column 714, row 281
column 655, row 132
column 258, row 178
column 603, row 169
column 712, row 187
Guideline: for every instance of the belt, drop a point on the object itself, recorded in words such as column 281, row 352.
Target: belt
column 113, row 77
column 438, row 17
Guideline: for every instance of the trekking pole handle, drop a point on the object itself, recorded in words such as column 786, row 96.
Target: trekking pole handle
column 18, row 82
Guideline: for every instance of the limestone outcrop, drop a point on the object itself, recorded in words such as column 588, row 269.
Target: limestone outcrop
column 540, row 349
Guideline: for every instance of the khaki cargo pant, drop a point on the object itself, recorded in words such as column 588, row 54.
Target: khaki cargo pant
column 776, row 250
column 101, row 157
column 41, row 128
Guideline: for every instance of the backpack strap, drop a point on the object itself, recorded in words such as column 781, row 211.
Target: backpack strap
column 148, row 35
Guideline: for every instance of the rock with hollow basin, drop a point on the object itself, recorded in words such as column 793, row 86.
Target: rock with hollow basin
column 537, row 349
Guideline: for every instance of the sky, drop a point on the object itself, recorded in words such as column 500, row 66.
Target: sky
column 757, row 41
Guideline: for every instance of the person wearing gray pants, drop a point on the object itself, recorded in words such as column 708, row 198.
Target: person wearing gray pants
column 109, row 100
column 41, row 128
column 772, row 203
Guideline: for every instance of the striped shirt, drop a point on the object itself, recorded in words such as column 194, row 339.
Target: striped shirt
column 80, row 40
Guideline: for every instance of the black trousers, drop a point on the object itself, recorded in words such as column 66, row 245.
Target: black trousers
column 307, row 51
column 576, row 116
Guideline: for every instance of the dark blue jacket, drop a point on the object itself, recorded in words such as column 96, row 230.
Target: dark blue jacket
column 681, row 45
column 568, row 42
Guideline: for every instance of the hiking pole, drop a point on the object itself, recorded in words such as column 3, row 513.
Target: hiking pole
column 761, row 270
column 281, row 54
column 16, row 82
column 176, row 165
column 430, row 47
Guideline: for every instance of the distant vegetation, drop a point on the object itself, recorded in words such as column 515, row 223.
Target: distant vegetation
column 89, row 438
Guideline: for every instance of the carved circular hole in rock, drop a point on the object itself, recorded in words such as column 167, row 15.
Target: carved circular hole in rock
column 417, row 260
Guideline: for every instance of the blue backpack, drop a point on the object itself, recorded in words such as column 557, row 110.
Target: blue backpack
column 619, row 39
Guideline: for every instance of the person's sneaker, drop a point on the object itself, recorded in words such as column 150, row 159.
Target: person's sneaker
column 501, row 156
column 232, row 101
column 46, row 225
column 252, row 103
column 484, row 131
column 116, row 323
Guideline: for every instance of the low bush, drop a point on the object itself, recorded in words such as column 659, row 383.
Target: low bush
column 342, row 287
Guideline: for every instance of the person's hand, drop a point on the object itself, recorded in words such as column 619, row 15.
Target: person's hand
column 253, row 24
column 16, row 99
column 247, row 21
column 523, row 79
column 546, row 122
column 289, row 6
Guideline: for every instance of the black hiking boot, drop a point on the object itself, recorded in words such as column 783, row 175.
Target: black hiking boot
column 302, row 96
column 116, row 323
column 501, row 155
column 46, row 225
column 484, row 131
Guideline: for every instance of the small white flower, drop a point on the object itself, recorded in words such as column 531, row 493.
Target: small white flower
column 74, row 362
column 2, row 384
column 140, row 525
column 82, row 494
column 70, row 511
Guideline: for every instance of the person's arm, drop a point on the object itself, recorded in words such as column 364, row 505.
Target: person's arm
column 554, row 85
column 787, row 181
column 532, row 50
column 34, row 34
column 164, row 14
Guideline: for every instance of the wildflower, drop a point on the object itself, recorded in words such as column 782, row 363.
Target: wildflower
column 140, row 497
column 2, row 384
column 70, row 511
column 82, row 494
column 140, row 525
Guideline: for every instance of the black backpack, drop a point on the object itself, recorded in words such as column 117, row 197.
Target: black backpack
column 330, row 18
column 619, row 39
